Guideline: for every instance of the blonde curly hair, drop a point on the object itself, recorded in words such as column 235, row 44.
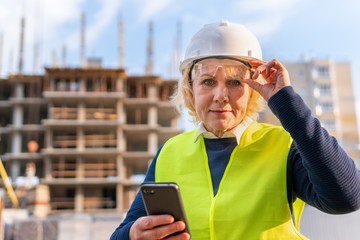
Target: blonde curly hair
column 184, row 96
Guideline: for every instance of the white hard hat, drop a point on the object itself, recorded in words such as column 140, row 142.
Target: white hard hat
column 221, row 39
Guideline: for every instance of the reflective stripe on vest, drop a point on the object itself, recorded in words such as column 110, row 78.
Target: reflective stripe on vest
column 251, row 202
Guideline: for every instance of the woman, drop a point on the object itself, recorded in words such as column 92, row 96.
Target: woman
column 239, row 179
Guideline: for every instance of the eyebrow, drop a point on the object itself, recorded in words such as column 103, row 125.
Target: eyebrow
column 207, row 75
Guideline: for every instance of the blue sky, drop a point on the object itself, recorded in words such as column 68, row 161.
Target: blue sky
column 286, row 29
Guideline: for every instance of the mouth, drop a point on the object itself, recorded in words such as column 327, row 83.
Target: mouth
column 220, row 111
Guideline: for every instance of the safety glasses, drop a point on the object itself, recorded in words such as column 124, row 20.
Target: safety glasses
column 233, row 68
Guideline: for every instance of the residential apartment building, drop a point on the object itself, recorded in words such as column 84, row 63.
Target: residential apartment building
column 91, row 133
column 326, row 87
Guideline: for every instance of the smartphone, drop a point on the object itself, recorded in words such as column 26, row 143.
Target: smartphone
column 164, row 198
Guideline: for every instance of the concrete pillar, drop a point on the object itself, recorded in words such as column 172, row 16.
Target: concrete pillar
column 152, row 143
column 19, row 90
column 119, row 197
column 120, row 112
column 79, row 199
column 121, row 141
column 81, row 112
column 15, row 169
column 47, row 168
column 120, row 82
column 80, row 170
column 121, row 168
column 153, row 116
column 48, row 138
column 82, row 85
column 80, row 139
column 16, row 142
column 153, row 92
column 49, row 113
column 18, row 115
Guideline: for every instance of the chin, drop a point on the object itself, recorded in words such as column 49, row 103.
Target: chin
column 221, row 128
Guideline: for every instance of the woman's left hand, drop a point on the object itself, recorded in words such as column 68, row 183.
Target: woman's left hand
column 274, row 73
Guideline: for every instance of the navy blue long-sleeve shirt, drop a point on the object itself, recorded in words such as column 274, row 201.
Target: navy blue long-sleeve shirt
column 318, row 171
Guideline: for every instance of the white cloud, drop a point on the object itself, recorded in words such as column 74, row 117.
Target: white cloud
column 268, row 15
column 261, row 27
column 59, row 12
column 148, row 9
column 108, row 12
column 42, row 21
column 275, row 6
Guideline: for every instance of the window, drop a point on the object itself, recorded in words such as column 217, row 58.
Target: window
column 327, row 107
column 322, row 90
column 324, row 108
column 325, row 89
column 323, row 71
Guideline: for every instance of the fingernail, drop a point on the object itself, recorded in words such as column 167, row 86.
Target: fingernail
column 180, row 226
column 187, row 236
column 170, row 219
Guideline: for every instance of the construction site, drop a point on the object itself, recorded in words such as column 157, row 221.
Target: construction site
column 78, row 141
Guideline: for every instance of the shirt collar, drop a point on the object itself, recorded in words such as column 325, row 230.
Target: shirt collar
column 237, row 132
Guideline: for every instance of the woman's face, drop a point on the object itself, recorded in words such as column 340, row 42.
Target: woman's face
column 220, row 96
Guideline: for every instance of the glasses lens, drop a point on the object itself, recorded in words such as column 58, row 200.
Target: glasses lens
column 232, row 69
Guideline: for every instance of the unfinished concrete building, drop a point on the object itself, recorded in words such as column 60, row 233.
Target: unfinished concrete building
column 103, row 128
column 97, row 131
column 21, row 109
column 89, row 133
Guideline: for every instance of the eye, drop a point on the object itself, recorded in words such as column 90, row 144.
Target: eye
column 235, row 83
column 208, row 82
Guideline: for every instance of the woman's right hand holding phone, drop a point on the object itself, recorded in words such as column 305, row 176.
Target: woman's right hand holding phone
column 157, row 227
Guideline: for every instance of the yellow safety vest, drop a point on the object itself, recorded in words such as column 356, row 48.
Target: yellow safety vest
column 251, row 202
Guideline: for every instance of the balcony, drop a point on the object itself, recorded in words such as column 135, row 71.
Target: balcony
column 87, row 168
column 70, row 116
column 89, row 141
column 65, row 97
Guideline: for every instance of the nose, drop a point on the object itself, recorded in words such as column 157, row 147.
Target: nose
column 221, row 93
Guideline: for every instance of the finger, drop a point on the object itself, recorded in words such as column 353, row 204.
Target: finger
column 267, row 71
column 254, row 85
column 254, row 62
column 259, row 70
column 273, row 75
column 275, row 64
column 150, row 222
column 165, row 230
column 181, row 236
column 272, row 66
column 270, row 77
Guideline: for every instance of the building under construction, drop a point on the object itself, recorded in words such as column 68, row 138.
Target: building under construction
column 88, row 133
column 95, row 129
